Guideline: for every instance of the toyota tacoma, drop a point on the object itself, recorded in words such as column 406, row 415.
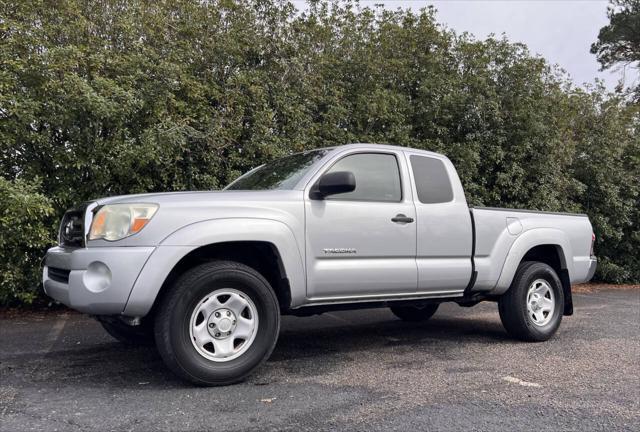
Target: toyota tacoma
column 205, row 276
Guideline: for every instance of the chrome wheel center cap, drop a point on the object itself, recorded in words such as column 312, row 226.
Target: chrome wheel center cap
column 221, row 323
column 225, row 325
column 535, row 302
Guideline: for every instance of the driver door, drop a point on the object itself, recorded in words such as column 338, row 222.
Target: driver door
column 363, row 243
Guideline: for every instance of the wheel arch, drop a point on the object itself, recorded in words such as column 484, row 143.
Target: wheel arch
column 261, row 256
column 546, row 245
column 268, row 246
column 553, row 256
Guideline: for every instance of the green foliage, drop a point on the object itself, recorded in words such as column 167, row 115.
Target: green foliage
column 110, row 97
column 607, row 166
column 619, row 41
column 24, row 224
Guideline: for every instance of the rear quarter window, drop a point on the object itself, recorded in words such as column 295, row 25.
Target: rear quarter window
column 432, row 180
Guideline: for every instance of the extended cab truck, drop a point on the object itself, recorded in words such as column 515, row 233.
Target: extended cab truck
column 206, row 275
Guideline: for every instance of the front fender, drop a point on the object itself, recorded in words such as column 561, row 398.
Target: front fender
column 181, row 242
column 527, row 241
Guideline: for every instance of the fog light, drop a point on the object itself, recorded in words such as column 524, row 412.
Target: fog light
column 97, row 278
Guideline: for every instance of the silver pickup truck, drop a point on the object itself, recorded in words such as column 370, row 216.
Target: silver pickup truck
column 206, row 275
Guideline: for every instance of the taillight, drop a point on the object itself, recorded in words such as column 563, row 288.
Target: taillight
column 593, row 242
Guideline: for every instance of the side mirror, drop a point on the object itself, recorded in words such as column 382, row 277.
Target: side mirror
column 334, row 183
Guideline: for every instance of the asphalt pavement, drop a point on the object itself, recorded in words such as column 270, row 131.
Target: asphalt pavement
column 361, row 370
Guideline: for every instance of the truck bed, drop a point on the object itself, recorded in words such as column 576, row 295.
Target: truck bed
column 501, row 233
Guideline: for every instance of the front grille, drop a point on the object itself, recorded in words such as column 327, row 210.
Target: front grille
column 58, row 274
column 72, row 228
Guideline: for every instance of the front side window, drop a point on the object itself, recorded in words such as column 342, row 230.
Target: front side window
column 280, row 174
column 432, row 180
column 377, row 177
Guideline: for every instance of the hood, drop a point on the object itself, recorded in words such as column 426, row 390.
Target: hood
column 208, row 197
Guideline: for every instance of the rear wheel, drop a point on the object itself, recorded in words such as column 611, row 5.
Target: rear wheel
column 218, row 323
column 415, row 313
column 532, row 308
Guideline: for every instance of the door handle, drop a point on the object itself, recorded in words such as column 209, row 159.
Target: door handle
column 400, row 218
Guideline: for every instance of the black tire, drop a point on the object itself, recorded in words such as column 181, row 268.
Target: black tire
column 415, row 313
column 174, row 314
column 141, row 334
column 512, row 305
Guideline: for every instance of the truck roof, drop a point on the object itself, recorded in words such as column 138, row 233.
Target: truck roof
column 388, row 147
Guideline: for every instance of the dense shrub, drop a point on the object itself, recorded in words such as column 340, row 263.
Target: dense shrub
column 24, row 224
column 109, row 97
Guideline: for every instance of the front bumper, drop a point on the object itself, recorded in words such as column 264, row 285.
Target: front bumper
column 93, row 280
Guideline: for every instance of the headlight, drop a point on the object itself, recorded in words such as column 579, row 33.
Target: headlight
column 117, row 221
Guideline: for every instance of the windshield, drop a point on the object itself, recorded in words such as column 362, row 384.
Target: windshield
column 280, row 174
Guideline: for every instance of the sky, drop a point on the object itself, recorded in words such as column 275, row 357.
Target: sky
column 561, row 31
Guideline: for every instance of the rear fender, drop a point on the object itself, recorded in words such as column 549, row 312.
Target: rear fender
column 527, row 241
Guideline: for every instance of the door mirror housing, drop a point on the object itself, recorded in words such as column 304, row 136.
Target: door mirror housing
column 334, row 183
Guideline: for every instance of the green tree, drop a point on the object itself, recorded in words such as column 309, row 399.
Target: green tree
column 619, row 41
column 607, row 166
column 106, row 97
column 25, row 224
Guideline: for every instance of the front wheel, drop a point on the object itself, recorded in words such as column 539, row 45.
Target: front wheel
column 217, row 324
column 532, row 308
